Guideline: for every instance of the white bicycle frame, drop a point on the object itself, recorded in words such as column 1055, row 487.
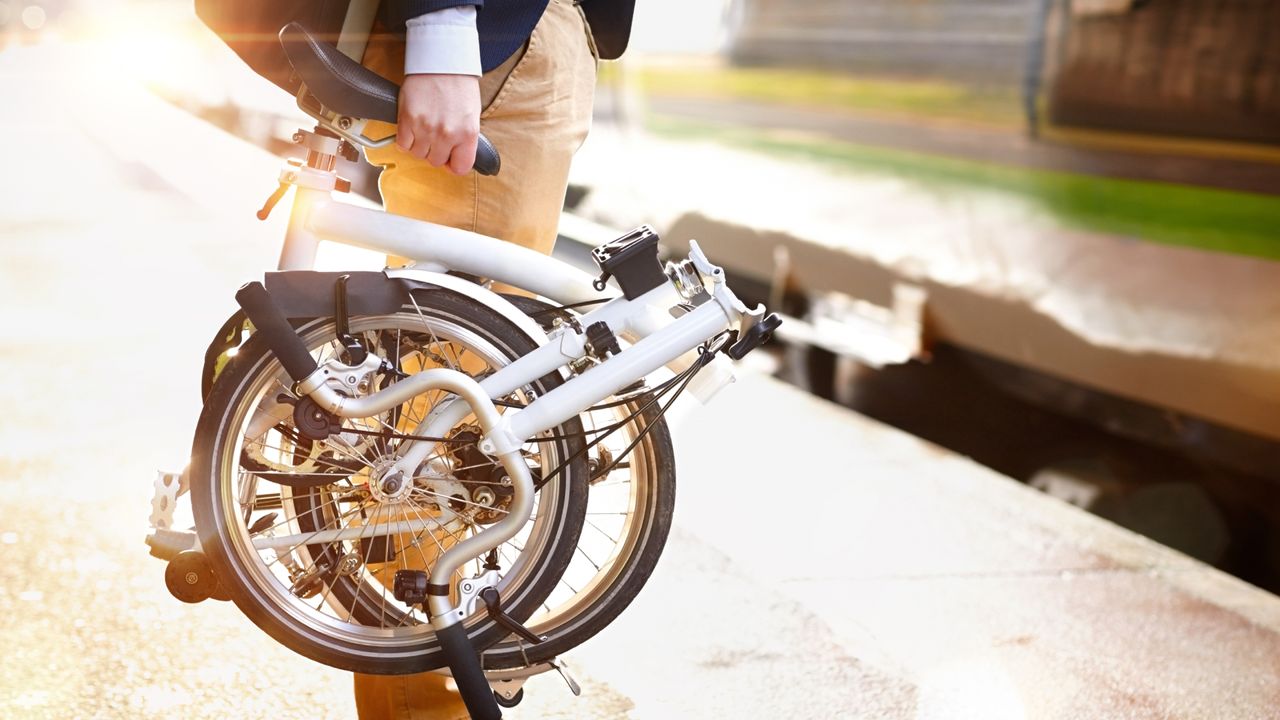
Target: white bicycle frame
column 660, row 334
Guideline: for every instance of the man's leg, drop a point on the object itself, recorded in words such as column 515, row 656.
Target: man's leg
column 537, row 113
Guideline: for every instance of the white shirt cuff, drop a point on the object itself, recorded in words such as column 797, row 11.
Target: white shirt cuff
column 444, row 42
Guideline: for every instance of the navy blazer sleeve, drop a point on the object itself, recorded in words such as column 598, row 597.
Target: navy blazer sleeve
column 397, row 12
column 503, row 25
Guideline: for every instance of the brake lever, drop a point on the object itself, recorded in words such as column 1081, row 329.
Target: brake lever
column 274, row 198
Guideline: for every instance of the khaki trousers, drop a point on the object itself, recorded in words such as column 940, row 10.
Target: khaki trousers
column 537, row 111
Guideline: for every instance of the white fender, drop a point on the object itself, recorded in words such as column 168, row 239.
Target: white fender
column 484, row 296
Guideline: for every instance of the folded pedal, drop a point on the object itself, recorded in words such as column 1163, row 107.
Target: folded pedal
column 493, row 603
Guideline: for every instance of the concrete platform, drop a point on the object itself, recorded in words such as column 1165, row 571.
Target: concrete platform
column 979, row 596
column 822, row 565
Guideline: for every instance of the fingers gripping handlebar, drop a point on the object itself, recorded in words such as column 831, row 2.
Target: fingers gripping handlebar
column 353, row 91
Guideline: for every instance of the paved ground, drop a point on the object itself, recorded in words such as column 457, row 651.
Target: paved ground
column 971, row 142
column 846, row 571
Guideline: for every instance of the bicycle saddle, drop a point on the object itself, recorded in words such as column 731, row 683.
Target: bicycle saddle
column 349, row 88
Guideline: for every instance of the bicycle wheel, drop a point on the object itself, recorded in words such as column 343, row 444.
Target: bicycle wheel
column 329, row 597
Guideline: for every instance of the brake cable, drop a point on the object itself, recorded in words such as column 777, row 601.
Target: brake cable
column 572, row 306
column 706, row 353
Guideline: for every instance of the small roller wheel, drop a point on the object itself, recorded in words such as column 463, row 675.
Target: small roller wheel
column 511, row 702
column 190, row 578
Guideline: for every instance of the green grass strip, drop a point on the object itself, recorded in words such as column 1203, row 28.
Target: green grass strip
column 1204, row 218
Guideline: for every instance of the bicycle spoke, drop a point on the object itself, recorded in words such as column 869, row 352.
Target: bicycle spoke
column 355, row 595
column 262, row 444
column 307, row 540
column 599, row 530
column 430, row 330
column 588, row 557
column 453, row 499
column 415, row 508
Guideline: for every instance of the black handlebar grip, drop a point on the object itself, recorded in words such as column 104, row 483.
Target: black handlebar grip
column 464, row 664
column 275, row 329
column 488, row 162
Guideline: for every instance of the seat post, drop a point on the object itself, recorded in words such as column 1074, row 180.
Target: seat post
column 323, row 148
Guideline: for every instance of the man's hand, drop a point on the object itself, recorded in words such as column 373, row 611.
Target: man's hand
column 439, row 119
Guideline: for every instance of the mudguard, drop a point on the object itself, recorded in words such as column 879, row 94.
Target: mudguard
column 309, row 294
column 484, row 296
column 305, row 294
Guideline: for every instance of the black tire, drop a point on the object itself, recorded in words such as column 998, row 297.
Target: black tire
column 214, row 453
